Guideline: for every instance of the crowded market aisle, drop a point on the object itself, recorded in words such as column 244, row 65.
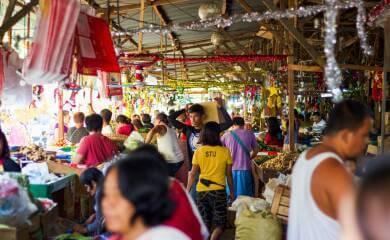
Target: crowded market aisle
column 142, row 120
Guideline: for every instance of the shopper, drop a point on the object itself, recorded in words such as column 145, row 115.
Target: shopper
column 92, row 179
column 147, row 121
column 6, row 163
column 243, row 148
column 274, row 135
column 372, row 203
column 167, row 143
column 136, row 200
column 124, row 125
column 320, row 181
column 319, row 124
column 106, row 115
column 186, row 217
column 95, row 148
column 196, row 115
column 214, row 163
column 137, row 124
column 76, row 133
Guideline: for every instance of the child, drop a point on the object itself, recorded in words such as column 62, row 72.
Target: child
column 214, row 163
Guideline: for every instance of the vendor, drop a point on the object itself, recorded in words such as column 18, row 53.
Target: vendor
column 274, row 134
column 76, row 133
column 106, row 115
column 6, row 163
column 319, row 123
column 92, row 179
column 95, row 148
column 124, row 125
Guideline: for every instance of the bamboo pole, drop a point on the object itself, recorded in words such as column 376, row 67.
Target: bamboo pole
column 141, row 25
column 386, row 68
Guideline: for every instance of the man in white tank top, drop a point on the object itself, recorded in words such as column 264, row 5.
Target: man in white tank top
column 320, row 181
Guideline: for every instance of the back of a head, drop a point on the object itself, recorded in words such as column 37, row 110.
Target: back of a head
column 210, row 134
column 347, row 115
column 78, row 117
column 144, row 181
column 146, row 118
column 163, row 118
column 106, row 115
column 373, row 202
column 273, row 126
column 137, row 123
column 123, row 119
column 91, row 175
column 238, row 121
column 94, row 122
column 5, row 152
column 196, row 108
column 316, row 114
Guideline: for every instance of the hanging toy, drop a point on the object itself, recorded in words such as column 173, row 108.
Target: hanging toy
column 377, row 86
column 139, row 78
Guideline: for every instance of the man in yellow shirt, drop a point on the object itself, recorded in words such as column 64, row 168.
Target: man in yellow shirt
column 214, row 163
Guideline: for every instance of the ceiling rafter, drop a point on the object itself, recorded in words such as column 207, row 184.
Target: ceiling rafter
column 175, row 41
column 136, row 6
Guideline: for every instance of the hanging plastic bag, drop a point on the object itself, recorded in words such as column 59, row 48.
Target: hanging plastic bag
column 15, row 204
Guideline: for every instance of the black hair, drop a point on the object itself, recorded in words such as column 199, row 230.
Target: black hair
column 94, row 123
column 144, row 181
column 137, row 123
column 348, row 114
column 171, row 112
column 5, row 153
column 146, row 118
column 238, row 121
column 106, row 115
column 210, row 134
column 374, row 186
column 196, row 108
column 91, row 175
column 163, row 118
column 317, row 114
column 123, row 119
column 274, row 127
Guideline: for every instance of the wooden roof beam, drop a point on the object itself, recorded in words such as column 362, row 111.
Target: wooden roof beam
column 175, row 41
column 296, row 35
column 136, row 6
column 12, row 20
column 311, row 68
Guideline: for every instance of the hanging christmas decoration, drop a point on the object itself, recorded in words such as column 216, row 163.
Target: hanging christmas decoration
column 208, row 10
column 216, row 38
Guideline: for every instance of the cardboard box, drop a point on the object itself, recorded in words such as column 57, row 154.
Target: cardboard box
column 61, row 168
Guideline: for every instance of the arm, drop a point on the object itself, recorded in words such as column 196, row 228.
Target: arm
column 78, row 159
column 150, row 136
column 255, row 152
column 229, row 177
column 191, row 176
column 254, row 146
column 172, row 119
column 228, row 123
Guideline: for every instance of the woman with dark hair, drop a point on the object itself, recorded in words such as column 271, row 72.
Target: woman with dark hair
column 214, row 163
column 136, row 199
column 6, row 164
column 92, row 179
column 124, row 125
column 274, row 134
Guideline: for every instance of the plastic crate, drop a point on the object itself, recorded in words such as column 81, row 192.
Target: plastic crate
column 46, row 190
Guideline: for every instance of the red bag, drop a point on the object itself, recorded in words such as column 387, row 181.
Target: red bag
column 95, row 47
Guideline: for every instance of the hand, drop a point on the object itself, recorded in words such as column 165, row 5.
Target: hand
column 231, row 197
column 219, row 102
column 90, row 219
column 80, row 229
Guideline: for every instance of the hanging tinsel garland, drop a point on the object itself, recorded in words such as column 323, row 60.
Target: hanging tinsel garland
column 330, row 10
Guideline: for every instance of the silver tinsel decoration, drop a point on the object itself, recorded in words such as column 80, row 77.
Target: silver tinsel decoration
column 330, row 9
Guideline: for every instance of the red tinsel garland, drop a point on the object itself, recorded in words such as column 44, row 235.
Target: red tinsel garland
column 218, row 58
column 378, row 10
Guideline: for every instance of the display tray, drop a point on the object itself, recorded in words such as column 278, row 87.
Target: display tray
column 46, row 190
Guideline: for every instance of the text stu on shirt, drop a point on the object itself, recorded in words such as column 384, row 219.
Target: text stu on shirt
column 211, row 154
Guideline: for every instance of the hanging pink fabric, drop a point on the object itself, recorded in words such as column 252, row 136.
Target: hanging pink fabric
column 95, row 47
column 50, row 56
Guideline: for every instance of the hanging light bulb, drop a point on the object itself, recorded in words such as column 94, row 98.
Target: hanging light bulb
column 208, row 10
column 216, row 38
column 316, row 23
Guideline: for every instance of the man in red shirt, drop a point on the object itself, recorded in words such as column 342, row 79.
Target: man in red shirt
column 95, row 148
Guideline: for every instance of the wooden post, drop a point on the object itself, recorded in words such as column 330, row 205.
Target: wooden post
column 291, row 105
column 141, row 25
column 386, row 71
column 60, row 115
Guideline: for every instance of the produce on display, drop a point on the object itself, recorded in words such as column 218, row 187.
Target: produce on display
column 36, row 153
column 282, row 162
